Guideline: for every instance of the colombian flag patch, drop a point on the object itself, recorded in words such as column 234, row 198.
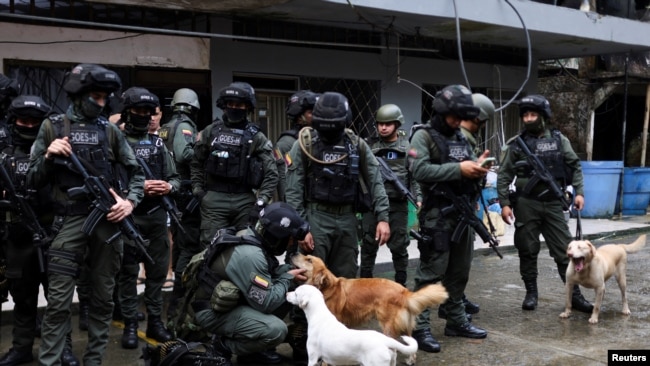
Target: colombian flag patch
column 287, row 159
column 261, row 282
column 413, row 153
column 277, row 154
column 187, row 132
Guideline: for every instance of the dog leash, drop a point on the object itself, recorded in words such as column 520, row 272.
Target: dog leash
column 578, row 227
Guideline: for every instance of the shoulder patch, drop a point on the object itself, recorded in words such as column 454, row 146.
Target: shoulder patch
column 261, row 282
column 258, row 290
column 287, row 159
column 187, row 132
column 413, row 153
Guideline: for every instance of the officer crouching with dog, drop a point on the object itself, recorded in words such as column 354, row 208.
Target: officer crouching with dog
column 252, row 326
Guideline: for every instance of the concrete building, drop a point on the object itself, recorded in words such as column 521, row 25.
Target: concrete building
column 374, row 52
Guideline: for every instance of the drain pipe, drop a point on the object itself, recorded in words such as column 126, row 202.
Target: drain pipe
column 620, row 190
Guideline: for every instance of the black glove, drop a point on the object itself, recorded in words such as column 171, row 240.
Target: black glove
column 254, row 213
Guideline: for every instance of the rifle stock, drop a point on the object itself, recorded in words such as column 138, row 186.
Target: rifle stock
column 97, row 189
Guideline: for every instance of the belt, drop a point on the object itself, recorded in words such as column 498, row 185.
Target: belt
column 335, row 209
column 72, row 208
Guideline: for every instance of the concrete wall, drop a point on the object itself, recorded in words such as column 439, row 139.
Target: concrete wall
column 61, row 44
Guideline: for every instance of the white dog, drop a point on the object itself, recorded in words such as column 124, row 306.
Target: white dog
column 591, row 268
column 332, row 342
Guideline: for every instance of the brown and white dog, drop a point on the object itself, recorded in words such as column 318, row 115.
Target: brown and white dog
column 591, row 268
column 355, row 301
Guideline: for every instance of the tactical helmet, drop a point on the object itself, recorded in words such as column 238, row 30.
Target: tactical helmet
column 88, row 77
column 485, row 105
column 457, row 100
column 280, row 222
column 537, row 103
column 8, row 88
column 239, row 92
column 390, row 113
column 300, row 102
column 139, row 97
column 28, row 106
column 331, row 113
column 185, row 96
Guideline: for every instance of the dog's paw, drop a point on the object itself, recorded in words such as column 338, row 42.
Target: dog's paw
column 593, row 320
column 565, row 314
column 626, row 311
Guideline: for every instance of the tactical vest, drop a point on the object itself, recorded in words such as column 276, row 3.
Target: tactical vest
column 90, row 142
column 454, row 151
column 333, row 182
column 395, row 158
column 5, row 135
column 549, row 151
column 230, row 166
column 167, row 133
column 150, row 149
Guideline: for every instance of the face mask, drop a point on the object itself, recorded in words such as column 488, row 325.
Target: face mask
column 235, row 115
column 536, row 127
column 24, row 135
column 91, row 109
column 137, row 123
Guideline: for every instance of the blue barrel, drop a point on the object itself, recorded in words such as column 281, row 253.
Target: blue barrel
column 636, row 190
column 602, row 179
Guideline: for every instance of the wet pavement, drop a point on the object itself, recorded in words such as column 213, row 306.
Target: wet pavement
column 516, row 337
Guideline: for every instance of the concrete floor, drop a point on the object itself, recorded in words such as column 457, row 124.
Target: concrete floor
column 516, row 337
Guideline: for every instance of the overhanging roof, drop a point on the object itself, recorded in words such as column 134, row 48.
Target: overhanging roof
column 555, row 32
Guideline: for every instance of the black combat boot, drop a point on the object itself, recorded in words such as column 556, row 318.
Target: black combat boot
column 530, row 301
column 84, row 309
column 68, row 358
column 426, row 342
column 400, row 277
column 297, row 339
column 156, row 330
column 470, row 307
column 579, row 303
column 14, row 357
column 130, row 334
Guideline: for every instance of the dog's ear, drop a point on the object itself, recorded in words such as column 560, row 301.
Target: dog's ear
column 303, row 302
column 592, row 249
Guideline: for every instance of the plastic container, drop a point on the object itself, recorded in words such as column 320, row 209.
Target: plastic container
column 602, row 179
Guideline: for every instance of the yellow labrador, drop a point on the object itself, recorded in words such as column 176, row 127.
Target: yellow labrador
column 591, row 268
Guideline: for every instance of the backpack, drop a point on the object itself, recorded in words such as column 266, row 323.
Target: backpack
column 181, row 353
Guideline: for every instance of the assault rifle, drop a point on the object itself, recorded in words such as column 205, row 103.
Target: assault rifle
column 540, row 173
column 389, row 175
column 96, row 188
column 40, row 239
column 467, row 214
column 167, row 203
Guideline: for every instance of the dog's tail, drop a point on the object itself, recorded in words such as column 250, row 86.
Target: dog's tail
column 636, row 246
column 408, row 349
column 425, row 297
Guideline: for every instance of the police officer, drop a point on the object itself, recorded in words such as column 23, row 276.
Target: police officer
column 179, row 135
column 26, row 265
column 323, row 179
column 99, row 144
column 441, row 155
column 8, row 90
column 234, row 173
column 254, row 324
column 538, row 210
column 299, row 111
column 471, row 129
column 139, row 108
column 391, row 146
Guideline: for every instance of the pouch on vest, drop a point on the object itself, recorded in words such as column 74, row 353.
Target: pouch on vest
column 225, row 296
